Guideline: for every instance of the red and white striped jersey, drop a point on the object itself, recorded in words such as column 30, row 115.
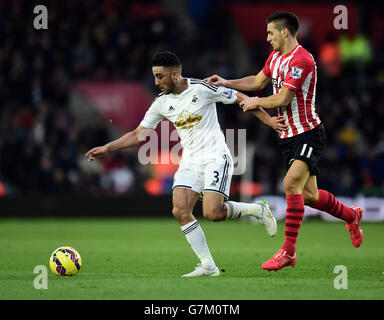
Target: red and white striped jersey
column 296, row 71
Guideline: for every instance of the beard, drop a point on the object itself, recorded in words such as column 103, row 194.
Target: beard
column 168, row 88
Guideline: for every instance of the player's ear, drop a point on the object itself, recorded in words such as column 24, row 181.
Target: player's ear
column 285, row 32
column 175, row 74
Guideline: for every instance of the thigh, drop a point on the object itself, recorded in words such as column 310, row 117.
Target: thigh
column 212, row 202
column 296, row 177
column 218, row 176
column 307, row 147
column 188, row 177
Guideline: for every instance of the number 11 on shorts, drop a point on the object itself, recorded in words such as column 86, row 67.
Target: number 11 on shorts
column 303, row 150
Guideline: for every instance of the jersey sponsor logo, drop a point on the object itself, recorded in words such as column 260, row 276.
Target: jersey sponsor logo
column 277, row 83
column 187, row 119
column 296, row 72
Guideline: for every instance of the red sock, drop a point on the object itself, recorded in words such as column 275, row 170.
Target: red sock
column 293, row 218
column 328, row 203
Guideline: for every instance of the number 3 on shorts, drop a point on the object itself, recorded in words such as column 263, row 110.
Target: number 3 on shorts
column 216, row 176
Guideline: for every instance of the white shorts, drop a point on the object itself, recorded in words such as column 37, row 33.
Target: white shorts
column 213, row 176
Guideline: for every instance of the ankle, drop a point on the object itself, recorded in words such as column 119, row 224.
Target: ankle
column 290, row 248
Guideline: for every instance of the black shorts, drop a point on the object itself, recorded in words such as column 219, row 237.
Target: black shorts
column 308, row 147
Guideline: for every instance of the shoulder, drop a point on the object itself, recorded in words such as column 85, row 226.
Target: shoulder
column 159, row 96
column 202, row 85
column 158, row 99
column 303, row 58
column 157, row 103
column 272, row 56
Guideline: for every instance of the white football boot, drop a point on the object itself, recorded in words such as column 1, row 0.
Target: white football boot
column 203, row 270
column 267, row 219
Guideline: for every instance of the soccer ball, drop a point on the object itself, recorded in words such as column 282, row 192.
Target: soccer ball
column 65, row 261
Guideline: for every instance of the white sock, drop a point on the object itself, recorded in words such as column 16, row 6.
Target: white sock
column 196, row 238
column 241, row 209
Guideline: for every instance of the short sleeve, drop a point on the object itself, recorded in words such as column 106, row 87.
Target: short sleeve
column 153, row 116
column 221, row 94
column 297, row 72
column 266, row 70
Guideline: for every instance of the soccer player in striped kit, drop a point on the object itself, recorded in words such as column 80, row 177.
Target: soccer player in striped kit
column 206, row 166
column 293, row 73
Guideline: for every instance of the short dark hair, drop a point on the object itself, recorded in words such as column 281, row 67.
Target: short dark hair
column 285, row 20
column 166, row 59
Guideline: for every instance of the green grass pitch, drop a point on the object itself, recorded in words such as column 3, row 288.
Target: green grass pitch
column 142, row 259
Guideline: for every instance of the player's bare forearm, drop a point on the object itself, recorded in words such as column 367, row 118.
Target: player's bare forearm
column 128, row 140
column 262, row 115
column 244, row 84
column 276, row 123
column 280, row 99
column 272, row 101
column 250, row 83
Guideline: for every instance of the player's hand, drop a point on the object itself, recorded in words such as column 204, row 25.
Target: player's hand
column 278, row 124
column 96, row 153
column 216, row 80
column 249, row 104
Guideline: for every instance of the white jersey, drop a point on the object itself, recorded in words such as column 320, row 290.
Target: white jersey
column 193, row 113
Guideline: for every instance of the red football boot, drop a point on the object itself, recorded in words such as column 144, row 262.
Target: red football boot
column 280, row 260
column 354, row 227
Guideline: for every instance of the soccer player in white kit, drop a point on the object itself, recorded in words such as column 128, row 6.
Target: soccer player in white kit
column 206, row 166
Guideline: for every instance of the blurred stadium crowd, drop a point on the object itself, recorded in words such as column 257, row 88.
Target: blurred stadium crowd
column 42, row 144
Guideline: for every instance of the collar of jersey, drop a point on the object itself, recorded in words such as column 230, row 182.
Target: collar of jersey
column 290, row 52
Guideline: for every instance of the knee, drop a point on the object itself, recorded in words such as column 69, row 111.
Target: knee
column 214, row 214
column 310, row 197
column 291, row 185
column 181, row 214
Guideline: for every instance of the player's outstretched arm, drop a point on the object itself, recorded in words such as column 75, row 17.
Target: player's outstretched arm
column 217, row 81
column 276, row 123
column 250, row 83
column 240, row 97
column 280, row 99
column 128, row 140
